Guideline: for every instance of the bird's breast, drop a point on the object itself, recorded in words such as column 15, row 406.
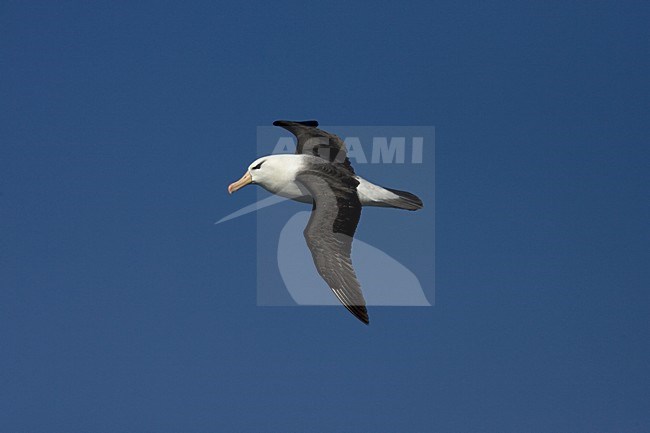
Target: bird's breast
column 289, row 189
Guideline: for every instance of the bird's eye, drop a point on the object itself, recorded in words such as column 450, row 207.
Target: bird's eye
column 257, row 167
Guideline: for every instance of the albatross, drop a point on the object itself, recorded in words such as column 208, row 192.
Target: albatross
column 320, row 173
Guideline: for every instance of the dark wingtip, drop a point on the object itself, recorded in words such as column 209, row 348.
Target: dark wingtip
column 311, row 123
column 363, row 319
column 360, row 312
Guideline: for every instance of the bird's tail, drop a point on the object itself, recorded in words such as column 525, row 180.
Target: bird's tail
column 404, row 200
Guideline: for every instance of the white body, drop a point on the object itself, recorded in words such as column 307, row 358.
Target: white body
column 277, row 174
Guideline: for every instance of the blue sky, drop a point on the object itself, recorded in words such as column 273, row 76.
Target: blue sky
column 124, row 308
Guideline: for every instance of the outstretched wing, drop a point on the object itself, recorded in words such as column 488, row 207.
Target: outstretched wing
column 316, row 142
column 329, row 233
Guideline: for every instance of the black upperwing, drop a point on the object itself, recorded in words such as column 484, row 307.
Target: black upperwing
column 330, row 231
column 316, row 142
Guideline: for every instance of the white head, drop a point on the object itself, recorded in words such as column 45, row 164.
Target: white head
column 272, row 172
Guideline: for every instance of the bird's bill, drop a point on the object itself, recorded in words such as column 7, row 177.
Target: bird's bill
column 245, row 180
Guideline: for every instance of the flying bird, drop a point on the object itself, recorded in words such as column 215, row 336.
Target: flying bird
column 320, row 173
